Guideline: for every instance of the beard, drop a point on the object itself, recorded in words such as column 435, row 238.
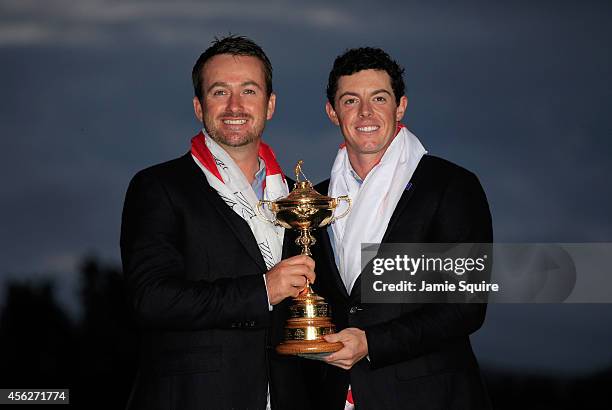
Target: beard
column 233, row 139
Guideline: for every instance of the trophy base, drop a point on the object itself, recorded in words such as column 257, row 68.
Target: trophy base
column 313, row 356
column 305, row 348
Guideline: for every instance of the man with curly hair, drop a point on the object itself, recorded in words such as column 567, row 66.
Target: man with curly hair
column 395, row 356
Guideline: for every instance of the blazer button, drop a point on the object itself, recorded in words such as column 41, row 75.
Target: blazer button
column 353, row 310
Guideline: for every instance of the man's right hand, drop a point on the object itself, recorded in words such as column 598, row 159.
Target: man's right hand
column 288, row 277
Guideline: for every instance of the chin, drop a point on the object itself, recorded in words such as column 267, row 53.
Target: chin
column 371, row 148
column 233, row 139
column 237, row 142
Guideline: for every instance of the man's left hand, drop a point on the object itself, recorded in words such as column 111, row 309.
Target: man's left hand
column 355, row 347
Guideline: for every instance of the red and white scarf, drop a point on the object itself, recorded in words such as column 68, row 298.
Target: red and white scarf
column 374, row 200
column 227, row 179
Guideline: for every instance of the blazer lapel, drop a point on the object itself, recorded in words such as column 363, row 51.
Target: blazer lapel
column 329, row 254
column 236, row 224
column 399, row 209
column 328, row 250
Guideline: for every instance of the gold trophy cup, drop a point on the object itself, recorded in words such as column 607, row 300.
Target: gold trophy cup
column 305, row 209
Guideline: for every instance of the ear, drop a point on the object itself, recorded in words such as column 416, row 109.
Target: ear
column 271, row 106
column 401, row 108
column 197, row 109
column 331, row 113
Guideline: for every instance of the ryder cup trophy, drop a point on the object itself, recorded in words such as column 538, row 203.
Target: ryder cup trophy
column 305, row 209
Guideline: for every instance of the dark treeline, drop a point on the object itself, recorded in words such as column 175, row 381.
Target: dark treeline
column 41, row 347
column 96, row 357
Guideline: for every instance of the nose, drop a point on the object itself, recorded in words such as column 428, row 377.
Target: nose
column 365, row 109
column 234, row 103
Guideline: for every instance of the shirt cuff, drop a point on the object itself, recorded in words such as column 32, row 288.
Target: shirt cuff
column 270, row 307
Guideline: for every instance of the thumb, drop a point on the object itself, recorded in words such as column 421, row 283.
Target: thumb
column 334, row 337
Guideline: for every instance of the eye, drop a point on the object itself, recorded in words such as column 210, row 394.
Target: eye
column 380, row 99
column 219, row 92
column 350, row 101
column 249, row 92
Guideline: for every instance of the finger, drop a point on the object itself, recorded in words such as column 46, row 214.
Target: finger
column 299, row 260
column 310, row 275
column 343, row 336
column 342, row 364
column 298, row 281
column 294, row 270
column 299, row 270
column 294, row 290
column 290, row 276
column 333, row 338
column 342, row 354
column 304, row 260
column 308, row 261
column 347, row 363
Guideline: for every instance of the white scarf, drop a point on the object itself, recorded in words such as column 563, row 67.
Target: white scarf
column 227, row 179
column 374, row 200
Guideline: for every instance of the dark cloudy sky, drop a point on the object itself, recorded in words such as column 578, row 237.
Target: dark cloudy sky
column 519, row 93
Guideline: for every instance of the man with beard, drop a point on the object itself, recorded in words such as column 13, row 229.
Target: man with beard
column 395, row 356
column 203, row 273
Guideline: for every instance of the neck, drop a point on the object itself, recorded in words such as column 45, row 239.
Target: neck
column 246, row 157
column 363, row 163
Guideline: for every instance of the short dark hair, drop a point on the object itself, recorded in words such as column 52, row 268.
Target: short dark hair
column 365, row 58
column 236, row 46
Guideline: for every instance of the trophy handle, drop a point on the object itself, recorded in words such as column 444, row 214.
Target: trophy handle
column 346, row 199
column 260, row 214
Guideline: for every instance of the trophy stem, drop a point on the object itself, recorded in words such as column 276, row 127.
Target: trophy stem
column 305, row 240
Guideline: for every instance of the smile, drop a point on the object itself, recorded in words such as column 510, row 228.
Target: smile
column 234, row 122
column 369, row 128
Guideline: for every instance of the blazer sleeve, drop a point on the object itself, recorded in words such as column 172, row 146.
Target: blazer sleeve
column 160, row 294
column 462, row 216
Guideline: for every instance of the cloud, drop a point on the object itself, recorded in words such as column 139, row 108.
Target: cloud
column 102, row 22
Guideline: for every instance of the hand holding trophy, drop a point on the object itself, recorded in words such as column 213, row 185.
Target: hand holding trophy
column 305, row 209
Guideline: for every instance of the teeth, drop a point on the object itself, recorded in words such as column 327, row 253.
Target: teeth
column 369, row 128
column 234, row 122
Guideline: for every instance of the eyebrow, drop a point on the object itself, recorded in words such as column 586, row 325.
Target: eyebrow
column 226, row 85
column 381, row 90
